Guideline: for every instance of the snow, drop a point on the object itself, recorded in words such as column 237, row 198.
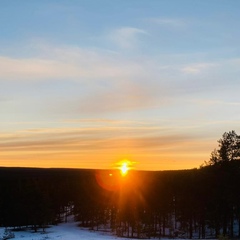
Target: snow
column 61, row 232
column 64, row 231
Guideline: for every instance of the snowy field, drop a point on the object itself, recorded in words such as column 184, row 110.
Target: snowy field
column 64, row 231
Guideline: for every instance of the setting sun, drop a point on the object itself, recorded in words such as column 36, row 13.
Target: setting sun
column 124, row 168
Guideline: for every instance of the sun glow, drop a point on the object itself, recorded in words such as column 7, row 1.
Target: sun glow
column 124, row 168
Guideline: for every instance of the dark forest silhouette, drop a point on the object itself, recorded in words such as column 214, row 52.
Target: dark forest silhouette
column 189, row 203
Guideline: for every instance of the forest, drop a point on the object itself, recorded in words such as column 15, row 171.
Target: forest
column 196, row 203
column 188, row 203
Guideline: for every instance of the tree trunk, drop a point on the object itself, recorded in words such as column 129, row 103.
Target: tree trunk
column 203, row 228
column 160, row 227
column 164, row 225
column 190, row 228
column 217, row 230
column 231, row 225
column 239, row 227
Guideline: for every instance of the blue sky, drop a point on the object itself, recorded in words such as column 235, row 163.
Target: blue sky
column 88, row 83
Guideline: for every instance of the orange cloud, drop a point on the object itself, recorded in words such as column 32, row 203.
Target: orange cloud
column 99, row 147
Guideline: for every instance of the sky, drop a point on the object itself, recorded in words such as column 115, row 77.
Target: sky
column 87, row 83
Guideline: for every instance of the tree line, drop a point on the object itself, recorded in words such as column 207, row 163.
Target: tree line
column 196, row 203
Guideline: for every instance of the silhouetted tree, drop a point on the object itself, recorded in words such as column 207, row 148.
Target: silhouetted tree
column 228, row 149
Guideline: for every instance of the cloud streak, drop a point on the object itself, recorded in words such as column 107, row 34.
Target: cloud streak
column 112, row 82
column 170, row 22
column 127, row 37
column 93, row 139
column 98, row 147
column 71, row 63
column 198, row 68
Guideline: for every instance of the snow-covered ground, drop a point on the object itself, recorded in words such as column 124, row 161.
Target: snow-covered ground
column 64, row 231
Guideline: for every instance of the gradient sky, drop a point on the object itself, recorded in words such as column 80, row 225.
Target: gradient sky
column 84, row 84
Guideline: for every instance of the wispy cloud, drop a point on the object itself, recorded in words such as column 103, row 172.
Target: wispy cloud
column 99, row 147
column 95, row 144
column 207, row 102
column 36, row 69
column 198, row 68
column 170, row 22
column 111, row 82
column 121, row 96
column 67, row 63
column 94, row 139
column 127, row 37
column 100, row 121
